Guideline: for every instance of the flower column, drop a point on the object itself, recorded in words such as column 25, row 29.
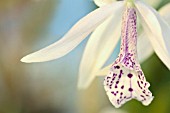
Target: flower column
column 126, row 79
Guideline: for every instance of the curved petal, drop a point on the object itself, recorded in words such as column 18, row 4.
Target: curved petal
column 76, row 34
column 144, row 47
column 157, row 42
column 159, row 28
column 164, row 12
column 99, row 48
column 103, row 2
column 143, row 41
column 160, row 51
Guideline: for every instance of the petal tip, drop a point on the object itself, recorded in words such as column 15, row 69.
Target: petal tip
column 29, row 59
column 25, row 59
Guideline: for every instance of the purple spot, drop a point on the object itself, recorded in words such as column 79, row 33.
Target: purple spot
column 139, row 84
column 141, row 95
column 122, row 87
column 115, row 86
column 145, row 85
column 108, row 77
column 113, row 78
column 121, row 93
column 117, row 82
column 113, row 93
column 117, row 67
column 130, row 75
column 130, row 89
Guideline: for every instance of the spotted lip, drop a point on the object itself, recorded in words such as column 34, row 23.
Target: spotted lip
column 126, row 80
column 122, row 85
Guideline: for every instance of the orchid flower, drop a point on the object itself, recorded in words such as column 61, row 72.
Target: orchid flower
column 125, row 79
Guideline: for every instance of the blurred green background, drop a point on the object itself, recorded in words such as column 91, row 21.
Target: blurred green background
column 51, row 87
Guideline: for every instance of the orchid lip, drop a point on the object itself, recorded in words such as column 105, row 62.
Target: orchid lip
column 126, row 80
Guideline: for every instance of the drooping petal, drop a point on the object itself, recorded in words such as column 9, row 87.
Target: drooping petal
column 99, row 47
column 144, row 47
column 76, row 34
column 145, row 50
column 155, row 36
column 103, row 2
column 157, row 25
column 160, row 51
column 123, row 84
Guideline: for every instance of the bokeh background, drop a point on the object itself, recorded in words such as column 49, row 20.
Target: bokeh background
column 51, row 87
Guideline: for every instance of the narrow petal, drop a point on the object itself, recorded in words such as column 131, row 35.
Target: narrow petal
column 143, row 40
column 99, row 48
column 144, row 47
column 160, row 51
column 76, row 34
column 157, row 25
column 155, row 37
column 103, row 2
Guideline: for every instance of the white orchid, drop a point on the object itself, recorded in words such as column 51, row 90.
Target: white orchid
column 125, row 79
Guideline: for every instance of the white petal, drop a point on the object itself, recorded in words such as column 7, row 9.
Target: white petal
column 144, row 47
column 160, row 51
column 103, row 2
column 99, row 48
column 154, row 36
column 143, row 41
column 76, row 34
column 164, row 12
column 156, row 24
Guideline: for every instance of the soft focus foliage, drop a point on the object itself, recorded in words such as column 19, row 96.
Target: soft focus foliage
column 51, row 87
